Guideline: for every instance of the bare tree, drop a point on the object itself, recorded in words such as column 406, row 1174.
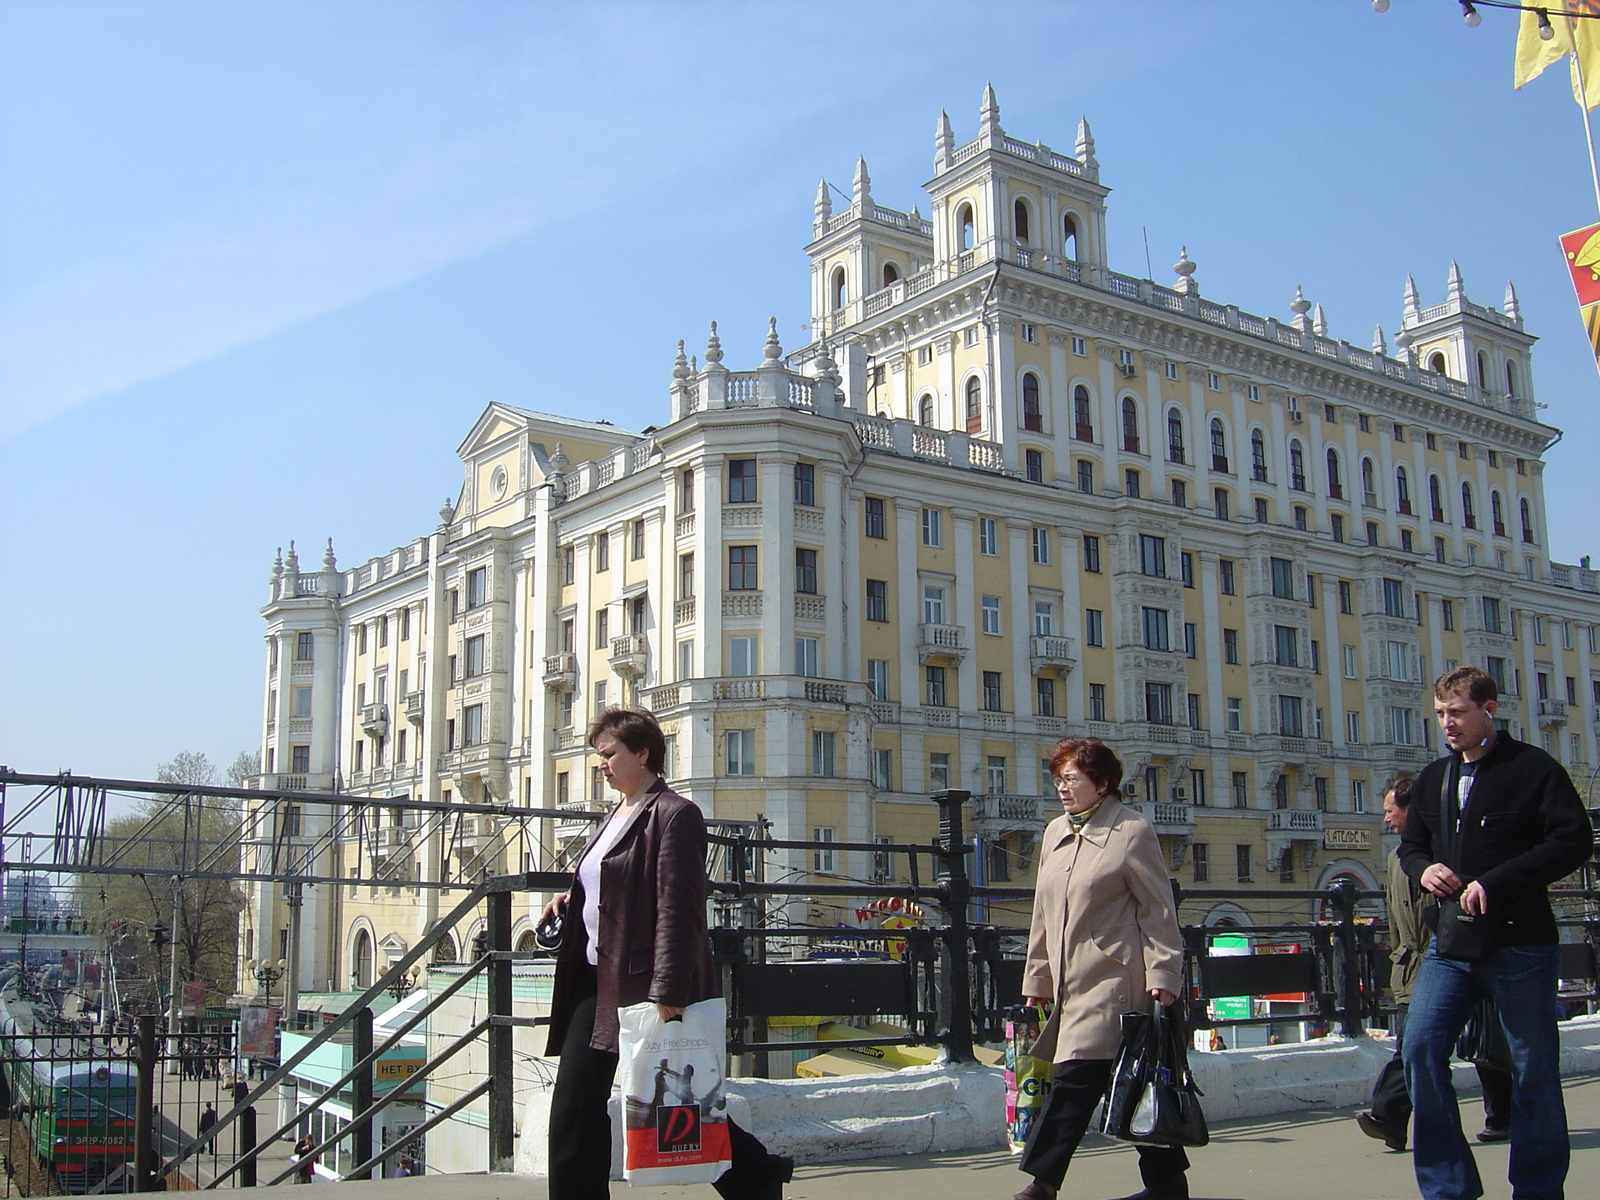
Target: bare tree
column 188, row 766
column 244, row 768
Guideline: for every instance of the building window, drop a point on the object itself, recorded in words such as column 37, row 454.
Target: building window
column 805, row 571
column 974, row 397
column 472, row 725
column 1094, row 627
column 933, row 679
column 995, row 771
column 1335, row 480
column 932, row 605
column 1200, row 861
column 1091, row 553
column 305, row 646
column 989, row 615
column 1526, row 511
column 1336, row 527
column 1044, row 692
column 1230, row 647
column 741, row 751
column 805, row 484
column 878, row 678
column 602, row 559
column 1082, row 415
column 1085, row 477
column 1291, row 716
column 1155, row 625
column 1130, row 426
column 1041, row 545
column 1235, row 714
column 302, row 702
column 477, row 587
column 873, row 522
column 474, row 649
column 1032, row 416
column 1286, row 646
column 1175, row 447
column 1402, row 491
column 877, row 600
column 1131, row 485
column 1241, row 864
column 1097, row 702
column 1044, row 618
column 686, row 659
column 806, row 656
column 1079, row 346
column 988, row 536
column 741, row 481
column 1180, row 494
column 1282, row 573
column 938, row 771
column 932, row 527
column 1493, row 617
column 823, row 743
column 1033, row 466
column 686, row 576
column 602, row 628
column 1348, row 654
column 1194, row 711
column 883, row 780
column 744, row 656
column 1261, row 510
column 742, row 575
column 1352, row 730
column 1152, row 556
column 1435, row 498
column 1158, row 703
column 636, row 541
column 991, row 691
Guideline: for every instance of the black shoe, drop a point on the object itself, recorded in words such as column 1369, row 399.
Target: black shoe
column 1036, row 1191
column 1391, row 1137
column 1490, row 1134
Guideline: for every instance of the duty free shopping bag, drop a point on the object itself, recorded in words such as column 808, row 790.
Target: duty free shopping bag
column 674, row 1104
column 1028, row 1078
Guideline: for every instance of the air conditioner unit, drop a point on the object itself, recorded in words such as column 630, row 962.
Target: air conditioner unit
column 1180, row 794
column 1130, row 789
column 1296, row 415
column 1129, row 370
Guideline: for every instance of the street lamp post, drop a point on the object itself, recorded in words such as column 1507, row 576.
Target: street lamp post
column 267, row 973
column 404, row 983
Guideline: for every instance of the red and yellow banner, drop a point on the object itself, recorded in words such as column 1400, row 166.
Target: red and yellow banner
column 1581, row 248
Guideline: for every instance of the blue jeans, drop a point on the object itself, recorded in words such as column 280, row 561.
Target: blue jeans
column 1522, row 982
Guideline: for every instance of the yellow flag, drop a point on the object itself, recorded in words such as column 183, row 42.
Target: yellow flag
column 1586, row 33
column 1533, row 54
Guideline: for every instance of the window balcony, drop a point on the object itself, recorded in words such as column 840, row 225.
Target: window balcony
column 997, row 814
column 948, row 642
column 1552, row 712
column 1294, row 820
column 1169, row 817
column 390, row 840
column 561, row 672
column 375, row 720
column 629, row 653
column 1049, row 651
column 414, row 707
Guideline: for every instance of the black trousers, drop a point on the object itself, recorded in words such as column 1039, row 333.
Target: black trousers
column 1391, row 1103
column 1060, row 1126
column 580, row 1127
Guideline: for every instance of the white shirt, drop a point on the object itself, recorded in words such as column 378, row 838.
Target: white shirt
column 589, row 876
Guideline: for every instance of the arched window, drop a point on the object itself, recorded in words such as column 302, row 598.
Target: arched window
column 1297, row 467
column 1435, row 498
column 1402, row 491
column 1436, row 362
column 1219, row 445
column 925, row 411
column 1082, row 417
column 1335, row 483
column 838, row 288
column 1258, row 456
column 361, row 960
column 1483, row 370
column 1369, row 484
column 444, row 950
column 526, row 942
column 891, row 274
column 1069, row 237
column 964, row 226
column 1019, row 215
column 1469, row 515
column 1497, row 513
column 1511, row 378
column 974, row 405
column 1130, row 425
column 1527, row 521
column 1032, row 417
column 1175, row 450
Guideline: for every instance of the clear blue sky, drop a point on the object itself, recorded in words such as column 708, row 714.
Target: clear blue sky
column 262, row 264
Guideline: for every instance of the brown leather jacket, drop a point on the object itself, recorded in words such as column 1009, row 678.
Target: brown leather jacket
column 653, row 943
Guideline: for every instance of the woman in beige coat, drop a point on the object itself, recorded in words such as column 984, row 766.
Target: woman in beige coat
column 1104, row 940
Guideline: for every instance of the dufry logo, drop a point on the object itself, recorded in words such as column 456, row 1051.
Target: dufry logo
column 677, row 1128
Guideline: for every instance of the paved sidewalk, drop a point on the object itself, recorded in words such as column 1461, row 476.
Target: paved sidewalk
column 1317, row 1155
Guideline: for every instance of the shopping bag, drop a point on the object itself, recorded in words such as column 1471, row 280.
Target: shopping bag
column 1167, row 1110
column 1027, row 1078
column 1134, row 1061
column 674, row 1104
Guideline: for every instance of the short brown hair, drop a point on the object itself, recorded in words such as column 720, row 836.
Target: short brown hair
column 1477, row 683
column 637, row 730
column 1095, row 761
column 1401, row 790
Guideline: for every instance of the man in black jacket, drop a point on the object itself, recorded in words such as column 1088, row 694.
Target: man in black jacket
column 1492, row 825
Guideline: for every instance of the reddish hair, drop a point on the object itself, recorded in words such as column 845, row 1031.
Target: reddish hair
column 1095, row 761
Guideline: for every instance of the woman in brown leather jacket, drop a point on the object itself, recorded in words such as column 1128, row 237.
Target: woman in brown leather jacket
column 634, row 930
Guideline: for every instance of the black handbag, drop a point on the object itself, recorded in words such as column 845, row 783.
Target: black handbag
column 1128, row 1073
column 1165, row 1109
column 547, row 934
column 1483, row 1038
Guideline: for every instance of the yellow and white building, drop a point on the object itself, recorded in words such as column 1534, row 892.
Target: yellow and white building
column 1006, row 494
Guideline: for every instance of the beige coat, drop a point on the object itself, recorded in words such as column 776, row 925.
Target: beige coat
column 1104, row 931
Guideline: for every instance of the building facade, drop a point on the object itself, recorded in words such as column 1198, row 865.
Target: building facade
column 1006, row 494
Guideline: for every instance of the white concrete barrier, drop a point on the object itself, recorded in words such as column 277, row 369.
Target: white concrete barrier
column 940, row 1109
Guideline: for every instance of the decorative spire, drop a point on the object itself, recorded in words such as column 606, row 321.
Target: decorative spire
column 823, row 208
column 1299, row 307
column 329, row 563
column 1185, row 271
column 558, row 462
column 1457, row 291
column 1379, row 346
column 827, row 369
column 713, row 346
column 277, row 563
column 694, row 364
column 944, row 141
column 774, row 348
column 861, row 185
column 1319, row 323
column 680, row 365
column 1086, row 145
column 447, row 511
column 1412, row 303
column 1511, row 308
column 989, row 113
column 291, row 564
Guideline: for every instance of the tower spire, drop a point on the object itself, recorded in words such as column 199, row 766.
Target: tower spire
column 823, row 208
column 1412, row 304
column 1299, row 306
column 1319, row 323
column 1511, row 307
column 989, row 113
column 861, row 185
column 1379, row 346
column 1458, row 290
column 1086, row 146
column 944, row 142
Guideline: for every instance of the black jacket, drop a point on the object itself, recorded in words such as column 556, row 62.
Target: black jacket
column 1524, row 828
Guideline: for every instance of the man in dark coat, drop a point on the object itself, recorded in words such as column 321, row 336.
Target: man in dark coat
column 1492, row 825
